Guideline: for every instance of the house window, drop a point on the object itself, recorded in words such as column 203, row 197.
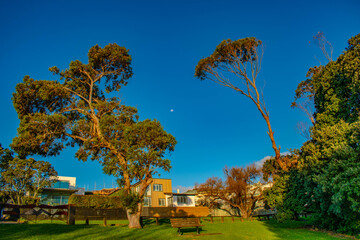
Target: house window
column 182, row 199
column 61, row 184
column 157, row 187
column 148, row 191
column 161, row 201
column 147, row 201
column 170, row 202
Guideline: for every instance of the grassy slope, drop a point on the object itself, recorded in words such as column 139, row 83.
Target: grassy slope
column 228, row 230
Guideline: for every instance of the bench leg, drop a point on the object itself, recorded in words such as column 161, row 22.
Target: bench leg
column 179, row 231
column 197, row 230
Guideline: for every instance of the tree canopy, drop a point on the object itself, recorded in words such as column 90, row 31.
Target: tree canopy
column 80, row 109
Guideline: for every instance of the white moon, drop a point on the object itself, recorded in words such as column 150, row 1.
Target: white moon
column 171, row 110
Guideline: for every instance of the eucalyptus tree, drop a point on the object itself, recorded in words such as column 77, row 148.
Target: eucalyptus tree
column 80, row 110
column 236, row 64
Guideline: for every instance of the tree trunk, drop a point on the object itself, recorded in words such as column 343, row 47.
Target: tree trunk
column 134, row 219
column 244, row 213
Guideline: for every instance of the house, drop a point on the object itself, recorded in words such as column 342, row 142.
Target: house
column 187, row 199
column 60, row 191
column 155, row 192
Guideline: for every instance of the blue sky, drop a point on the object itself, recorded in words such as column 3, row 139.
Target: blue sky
column 214, row 126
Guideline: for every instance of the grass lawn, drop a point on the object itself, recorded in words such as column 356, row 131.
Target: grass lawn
column 217, row 230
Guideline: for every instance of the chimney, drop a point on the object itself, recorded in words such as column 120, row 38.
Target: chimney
column 178, row 190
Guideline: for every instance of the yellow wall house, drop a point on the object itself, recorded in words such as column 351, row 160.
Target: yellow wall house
column 154, row 196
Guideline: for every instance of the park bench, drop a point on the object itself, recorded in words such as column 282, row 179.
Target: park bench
column 185, row 223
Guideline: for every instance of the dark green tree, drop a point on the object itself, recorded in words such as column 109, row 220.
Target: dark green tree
column 329, row 162
column 80, row 110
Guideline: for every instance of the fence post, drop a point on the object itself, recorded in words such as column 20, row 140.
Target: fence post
column 87, row 220
column 232, row 218
column 211, row 219
column 222, row 219
column 104, row 221
column 71, row 215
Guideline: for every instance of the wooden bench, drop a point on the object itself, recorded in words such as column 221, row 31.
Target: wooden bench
column 185, row 223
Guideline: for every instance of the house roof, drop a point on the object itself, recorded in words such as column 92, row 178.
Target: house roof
column 186, row 193
column 59, row 190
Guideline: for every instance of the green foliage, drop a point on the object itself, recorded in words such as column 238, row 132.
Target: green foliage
column 19, row 176
column 29, row 200
column 227, row 52
column 119, row 199
column 326, row 180
column 131, row 201
column 96, row 201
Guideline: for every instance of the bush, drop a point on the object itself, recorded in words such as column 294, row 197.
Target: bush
column 27, row 200
column 96, row 201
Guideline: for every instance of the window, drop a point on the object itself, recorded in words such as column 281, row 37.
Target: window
column 157, row 187
column 161, row 201
column 170, row 202
column 61, row 184
column 147, row 201
column 148, row 191
column 181, row 199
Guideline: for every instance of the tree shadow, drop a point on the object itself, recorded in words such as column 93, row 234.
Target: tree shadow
column 40, row 230
column 284, row 229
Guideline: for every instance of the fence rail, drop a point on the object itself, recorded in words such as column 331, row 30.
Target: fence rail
column 34, row 213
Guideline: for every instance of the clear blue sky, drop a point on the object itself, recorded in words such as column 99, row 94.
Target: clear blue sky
column 214, row 125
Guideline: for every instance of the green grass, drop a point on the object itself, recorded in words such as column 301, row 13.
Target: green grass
column 217, row 230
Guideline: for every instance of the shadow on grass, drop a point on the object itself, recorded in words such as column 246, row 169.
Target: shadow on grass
column 162, row 221
column 20, row 231
column 296, row 229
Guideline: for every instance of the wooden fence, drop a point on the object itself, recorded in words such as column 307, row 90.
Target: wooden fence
column 34, row 213
column 70, row 213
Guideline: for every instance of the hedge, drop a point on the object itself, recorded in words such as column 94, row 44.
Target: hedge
column 95, row 201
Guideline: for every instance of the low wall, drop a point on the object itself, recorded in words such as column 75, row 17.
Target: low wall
column 169, row 212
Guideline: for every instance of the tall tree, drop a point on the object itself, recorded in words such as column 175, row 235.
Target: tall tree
column 241, row 189
column 236, row 64
column 80, row 110
column 329, row 161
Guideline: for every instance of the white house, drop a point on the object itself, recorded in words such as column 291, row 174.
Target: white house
column 178, row 199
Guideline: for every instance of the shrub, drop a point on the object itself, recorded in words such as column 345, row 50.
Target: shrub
column 96, row 201
column 27, row 200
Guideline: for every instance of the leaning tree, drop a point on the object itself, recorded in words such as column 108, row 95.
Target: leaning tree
column 80, row 109
column 236, row 64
